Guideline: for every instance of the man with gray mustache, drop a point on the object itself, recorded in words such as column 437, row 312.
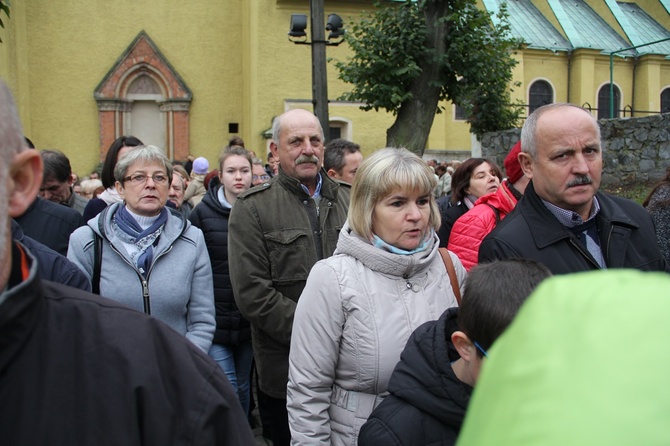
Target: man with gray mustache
column 276, row 232
column 563, row 221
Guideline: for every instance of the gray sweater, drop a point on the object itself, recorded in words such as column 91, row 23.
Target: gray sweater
column 179, row 280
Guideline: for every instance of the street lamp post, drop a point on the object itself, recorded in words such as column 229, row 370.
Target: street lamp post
column 319, row 74
column 318, row 44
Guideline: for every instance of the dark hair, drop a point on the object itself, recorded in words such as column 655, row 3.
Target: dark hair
column 107, row 175
column 335, row 151
column 493, row 294
column 235, row 141
column 208, row 178
column 29, row 143
column 663, row 182
column 460, row 179
column 56, row 166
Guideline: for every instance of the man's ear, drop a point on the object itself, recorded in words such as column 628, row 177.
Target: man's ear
column 274, row 149
column 25, row 176
column 333, row 174
column 464, row 346
column 526, row 162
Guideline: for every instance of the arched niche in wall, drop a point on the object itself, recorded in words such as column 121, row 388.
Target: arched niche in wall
column 604, row 102
column 142, row 95
column 540, row 93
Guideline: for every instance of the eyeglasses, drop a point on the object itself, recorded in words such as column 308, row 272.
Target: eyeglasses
column 261, row 177
column 481, row 349
column 157, row 178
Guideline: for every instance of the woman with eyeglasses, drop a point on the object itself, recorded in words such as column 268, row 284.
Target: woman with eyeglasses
column 145, row 256
column 231, row 347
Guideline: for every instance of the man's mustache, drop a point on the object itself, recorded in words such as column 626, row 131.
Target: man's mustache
column 307, row 159
column 580, row 180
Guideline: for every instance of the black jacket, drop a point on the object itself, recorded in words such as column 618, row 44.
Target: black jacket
column 626, row 232
column 449, row 216
column 426, row 403
column 79, row 369
column 212, row 218
column 51, row 265
column 50, row 224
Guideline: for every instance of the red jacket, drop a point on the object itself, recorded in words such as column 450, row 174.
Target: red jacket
column 471, row 228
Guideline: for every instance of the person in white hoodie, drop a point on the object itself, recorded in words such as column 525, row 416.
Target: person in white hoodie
column 360, row 306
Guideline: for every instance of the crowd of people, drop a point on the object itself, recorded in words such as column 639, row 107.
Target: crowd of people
column 360, row 299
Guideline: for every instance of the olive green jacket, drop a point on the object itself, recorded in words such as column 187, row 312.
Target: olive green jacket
column 276, row 233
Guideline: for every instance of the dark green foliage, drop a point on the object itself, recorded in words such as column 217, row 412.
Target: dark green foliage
column 394, row 45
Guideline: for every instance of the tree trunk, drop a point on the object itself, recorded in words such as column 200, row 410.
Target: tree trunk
column 415, row 116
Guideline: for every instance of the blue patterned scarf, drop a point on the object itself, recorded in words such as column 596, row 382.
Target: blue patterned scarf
column 143, row 239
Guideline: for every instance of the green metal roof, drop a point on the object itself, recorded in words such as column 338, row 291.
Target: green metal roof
column 586, row 29
column 641, row 28
column 666, row 5
column 528, row 24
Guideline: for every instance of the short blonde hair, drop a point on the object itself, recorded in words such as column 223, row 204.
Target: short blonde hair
column 382, row 173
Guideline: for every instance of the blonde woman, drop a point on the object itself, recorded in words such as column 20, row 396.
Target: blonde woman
column 360, row 306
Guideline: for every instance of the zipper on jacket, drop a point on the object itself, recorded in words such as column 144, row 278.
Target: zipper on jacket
column 587, row 256
column 146, row 296
column 607, row 246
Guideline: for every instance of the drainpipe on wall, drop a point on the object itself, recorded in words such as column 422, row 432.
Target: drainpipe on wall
column 569, row 73
column 632, row 95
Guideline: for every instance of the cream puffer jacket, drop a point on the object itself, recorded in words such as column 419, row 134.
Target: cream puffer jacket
column 352, row 321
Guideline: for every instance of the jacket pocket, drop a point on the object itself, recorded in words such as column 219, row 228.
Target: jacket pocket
column 289, row 255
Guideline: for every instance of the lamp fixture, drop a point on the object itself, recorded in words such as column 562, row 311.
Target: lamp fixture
column 298, row 35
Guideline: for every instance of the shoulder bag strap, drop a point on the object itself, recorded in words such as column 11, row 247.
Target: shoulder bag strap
column 97, row 263
column 449, row 265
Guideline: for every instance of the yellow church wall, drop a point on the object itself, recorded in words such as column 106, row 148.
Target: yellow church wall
column 284, row 69
column 623, row 79
column 548, row 66
column 195, row 37
column 236, row 58
column 13, row 59
column 447, row 132
column 519, row 94
column 650, row 81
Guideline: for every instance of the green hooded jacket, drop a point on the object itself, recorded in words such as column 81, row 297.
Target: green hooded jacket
column 585, row 362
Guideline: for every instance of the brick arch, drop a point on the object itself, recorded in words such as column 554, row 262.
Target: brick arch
column 115, row 104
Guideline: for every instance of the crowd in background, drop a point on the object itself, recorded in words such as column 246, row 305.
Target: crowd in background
column 356, row 300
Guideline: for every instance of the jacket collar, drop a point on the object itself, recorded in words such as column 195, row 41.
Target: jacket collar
column 211, row 198
column 19, row 314
column 382, row 261
column 547, row 230
column 329, row 187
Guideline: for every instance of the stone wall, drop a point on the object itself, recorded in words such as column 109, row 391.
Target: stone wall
column 634, row 149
